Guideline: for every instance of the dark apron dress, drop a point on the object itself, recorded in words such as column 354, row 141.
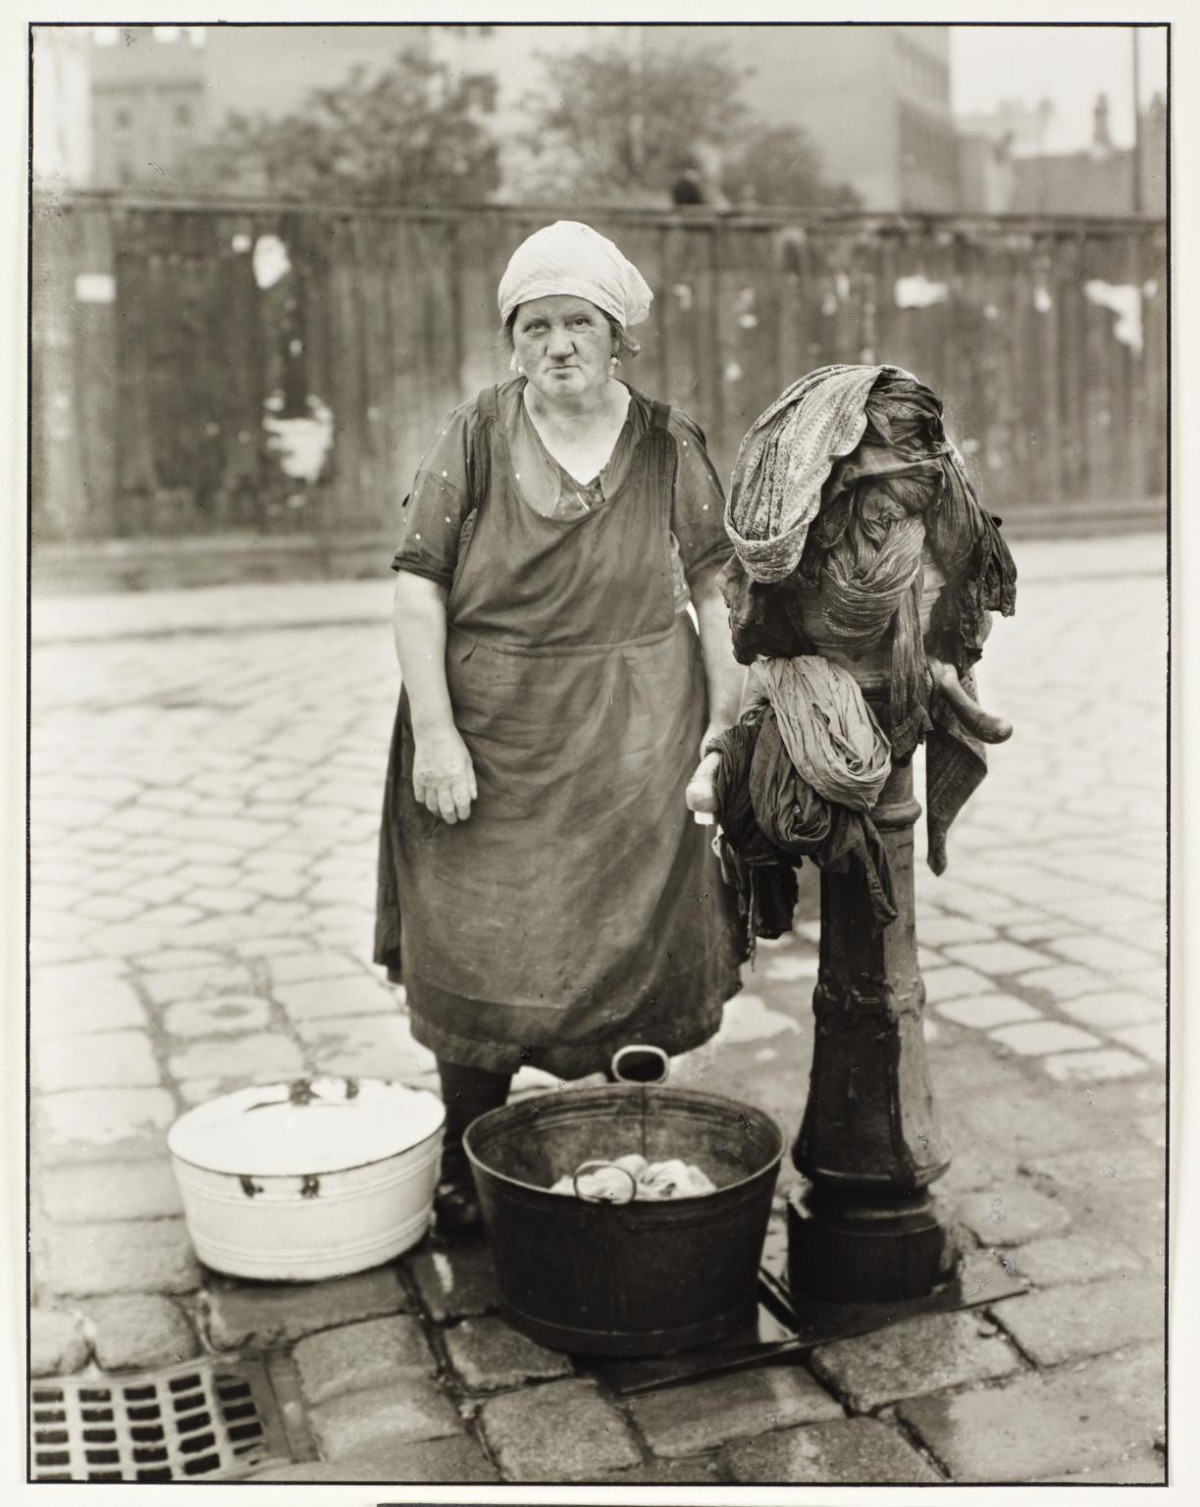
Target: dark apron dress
column 579, row 908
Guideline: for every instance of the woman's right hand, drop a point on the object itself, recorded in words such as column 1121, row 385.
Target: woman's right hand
column 442, row 774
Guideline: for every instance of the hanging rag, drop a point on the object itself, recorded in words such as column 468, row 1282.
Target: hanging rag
column 784, row 461
column 762, row 877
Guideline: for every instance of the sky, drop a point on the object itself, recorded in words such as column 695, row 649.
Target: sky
column 1069, row 65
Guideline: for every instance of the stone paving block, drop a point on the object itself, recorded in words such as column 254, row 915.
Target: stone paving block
column 267, row 1313
column 58, row 1342
column 972, row 1169
column 1039, row 1426
column 1011, row 1214
column 559, row 1431
column 1012, row 1120
column 1041, row 1038
column 239, row 1058
column 109, row 907
column 96, row 1193
column 1153, row 1128
column 223, row 1014
column 81, row 1003
column 351, row 992
column 454, row 1461
column 956, row 983
column 97, row 1124
column 142, row 1255
column 353, row 1357
column 177, row 959
column 1141, row 1468
column 1124, row 1159
column 158, row 889
column 1093, row 1067
column 235, row 833
column 983, row 1011
column 137, row 821
column 279, row 915
column 1074, row 1258
column 1067, row 981
column 1149, row 1040
column 1073, row 1322
column 946, row 931
column 1105, row 1012
column 379, row 1046
column 130, row 939
column 166, row 987
column 169, row 919
column 996, row 958
column 1046, row 928
column 791, row 967
column 212, row 875
column 275, row 884
column 297, row 966
column 456, row 1283
column 853, row 1452
column 925, row 1354
column 403, row 1412
column 697, row 1470
column 1103, row 953
column 111, row 1059
column 273, row 946
column 688, row 1420
column 488, row 1355
column 134, row 1331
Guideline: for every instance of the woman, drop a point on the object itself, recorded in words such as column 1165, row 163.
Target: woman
column 543, row 892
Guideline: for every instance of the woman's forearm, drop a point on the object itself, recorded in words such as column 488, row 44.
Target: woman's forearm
column 419, row 627
column 724, row 676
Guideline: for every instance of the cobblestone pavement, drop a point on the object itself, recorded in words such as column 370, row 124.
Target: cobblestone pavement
column 204, row 809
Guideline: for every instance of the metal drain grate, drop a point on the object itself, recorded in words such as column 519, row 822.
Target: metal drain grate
column 205, row 1420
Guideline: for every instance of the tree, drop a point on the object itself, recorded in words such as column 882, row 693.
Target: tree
column 780, row 165
column 404, row 136
column 627, row 123
column 613, row 123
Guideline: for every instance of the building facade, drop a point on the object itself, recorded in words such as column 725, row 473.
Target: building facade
column 874, row 100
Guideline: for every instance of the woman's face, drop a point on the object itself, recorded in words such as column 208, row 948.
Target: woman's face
column 564, row 345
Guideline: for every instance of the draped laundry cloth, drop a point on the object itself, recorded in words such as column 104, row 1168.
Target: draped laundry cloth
column 784, row 462
column 830, row 733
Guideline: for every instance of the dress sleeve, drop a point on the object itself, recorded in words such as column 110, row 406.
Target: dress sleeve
column 433, row 513
column 698, row 507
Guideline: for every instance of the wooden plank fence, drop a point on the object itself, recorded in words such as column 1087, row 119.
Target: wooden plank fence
column 215, row 368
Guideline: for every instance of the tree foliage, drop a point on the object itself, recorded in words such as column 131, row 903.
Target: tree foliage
column 403, row 136
column 780, row 165
column 616, row 124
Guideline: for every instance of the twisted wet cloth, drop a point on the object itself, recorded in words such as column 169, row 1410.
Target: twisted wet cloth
column 798, row 777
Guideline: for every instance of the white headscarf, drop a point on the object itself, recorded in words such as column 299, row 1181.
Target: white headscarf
column 569, row 257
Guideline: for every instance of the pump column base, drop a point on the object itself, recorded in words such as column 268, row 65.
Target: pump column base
column 865, row 1250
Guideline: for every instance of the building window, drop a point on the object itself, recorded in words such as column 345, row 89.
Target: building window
column 183, row 115
column 122, row 120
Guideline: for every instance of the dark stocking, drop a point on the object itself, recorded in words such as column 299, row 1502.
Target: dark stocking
column 467, row 1092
